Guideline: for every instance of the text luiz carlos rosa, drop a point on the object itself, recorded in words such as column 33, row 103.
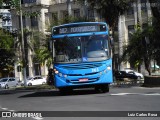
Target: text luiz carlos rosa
column 136, row 114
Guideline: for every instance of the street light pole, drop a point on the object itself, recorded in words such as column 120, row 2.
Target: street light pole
column 22, row 38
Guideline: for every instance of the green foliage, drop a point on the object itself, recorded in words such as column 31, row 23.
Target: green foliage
column 143, row 46
column 43, row 55
column 156, row 23
column 31, row 14
column 11, row 3
column 15, row 4
column 40, row 45
column 6, row 51
column 6, row 39
column 133, row 52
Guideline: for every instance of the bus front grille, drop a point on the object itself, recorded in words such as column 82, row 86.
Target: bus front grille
column 82, row 66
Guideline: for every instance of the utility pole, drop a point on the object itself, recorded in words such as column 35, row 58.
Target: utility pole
column 22, row 38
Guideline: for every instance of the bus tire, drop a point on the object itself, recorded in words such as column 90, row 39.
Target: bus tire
column 105, row 88
column 65, row 91
column 97, row 89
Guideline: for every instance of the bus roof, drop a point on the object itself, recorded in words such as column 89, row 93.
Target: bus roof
column 78, row 23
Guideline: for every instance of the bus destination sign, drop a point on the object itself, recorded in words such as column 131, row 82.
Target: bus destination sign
column 79, row 29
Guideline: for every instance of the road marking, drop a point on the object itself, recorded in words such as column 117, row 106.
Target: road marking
column 146, row 94
column 4, row 108
column 12, row 110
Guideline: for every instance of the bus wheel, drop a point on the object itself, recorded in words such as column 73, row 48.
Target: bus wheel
column 105, row 88
column 65, row 91
column 98, row 89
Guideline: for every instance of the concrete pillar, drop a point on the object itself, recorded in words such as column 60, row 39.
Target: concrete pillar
column 30, row 63
column 69, row 7
column 135, row 12
column 149, row 12
column 139, row 12
column 121, row 31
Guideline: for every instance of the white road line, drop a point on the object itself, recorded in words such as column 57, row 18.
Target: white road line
column 146, row 94
column 12, row 110
column 153, row 94
column 4, row 108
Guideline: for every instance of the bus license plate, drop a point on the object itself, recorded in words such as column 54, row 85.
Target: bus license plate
column 83, row 79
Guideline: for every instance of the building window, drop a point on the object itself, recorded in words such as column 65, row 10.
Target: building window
column 130, row 11
column 28, row 1
column 76, row 13
column 34, row 21
column 55, row 16
column 144, row 5
column 131, row 30
column 64, row 14
column 24, row 21
column 90, row 14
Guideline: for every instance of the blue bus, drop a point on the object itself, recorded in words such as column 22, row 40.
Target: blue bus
column 82, row 56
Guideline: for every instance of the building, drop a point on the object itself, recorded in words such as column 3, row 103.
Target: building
column 34, row 19
column 139, row 13
column 50, row 10
column 62, row 8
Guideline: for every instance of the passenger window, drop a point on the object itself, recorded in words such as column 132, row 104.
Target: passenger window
column 131, row 72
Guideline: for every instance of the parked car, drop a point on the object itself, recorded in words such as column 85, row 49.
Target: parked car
column 37, row 80
column 119, row 75
column 139, row 75
column 8, row 82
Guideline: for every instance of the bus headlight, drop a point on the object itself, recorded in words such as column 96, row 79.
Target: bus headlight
column 109, row 68
column 65, row 76
column 56, row 72
column 60, row 74
column 100, row 73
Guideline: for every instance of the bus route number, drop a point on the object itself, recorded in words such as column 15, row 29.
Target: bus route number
column 95, row 70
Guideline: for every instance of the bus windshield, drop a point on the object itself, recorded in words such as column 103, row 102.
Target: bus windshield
column 81, row 49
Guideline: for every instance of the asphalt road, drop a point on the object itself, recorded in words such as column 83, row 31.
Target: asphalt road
column 137, row 99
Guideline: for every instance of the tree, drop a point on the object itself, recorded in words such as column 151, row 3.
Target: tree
column 40, row 45
column 6, row 51
column 134, row 50
column 141, row 47
column 156, row 24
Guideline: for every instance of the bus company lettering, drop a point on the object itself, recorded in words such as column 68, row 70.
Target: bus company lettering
column 78, row 29
column 83, row 29
column 63, row 30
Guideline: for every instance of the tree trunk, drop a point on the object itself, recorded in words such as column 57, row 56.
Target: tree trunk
column 147, row 65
